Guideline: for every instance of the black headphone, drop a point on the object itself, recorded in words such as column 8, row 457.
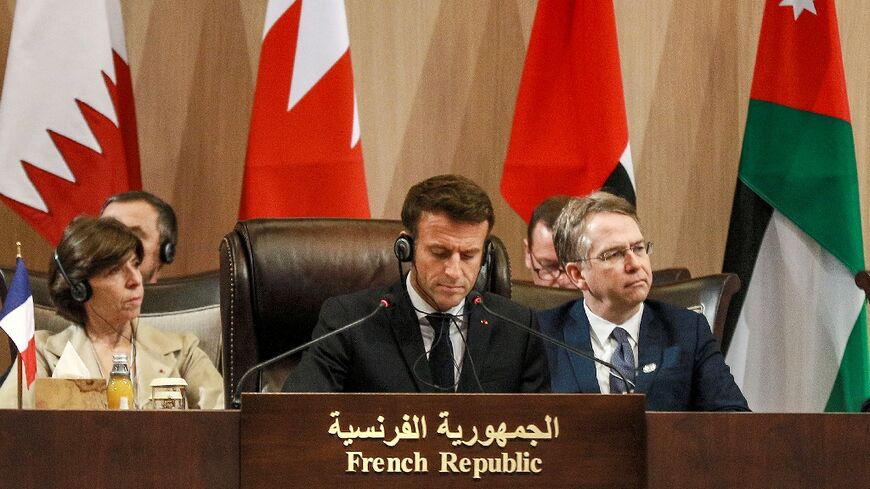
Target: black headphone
column 80, row 291
column 167, row 251
column 403, row 248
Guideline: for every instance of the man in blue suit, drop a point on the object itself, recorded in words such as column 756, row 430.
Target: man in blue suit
column 665, row 352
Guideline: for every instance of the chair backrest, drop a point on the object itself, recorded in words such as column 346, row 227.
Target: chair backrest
column 862, row 280
column 537, row 297
column 276, row 273
column 664, row 276
column 174, row 304
column 709, row 295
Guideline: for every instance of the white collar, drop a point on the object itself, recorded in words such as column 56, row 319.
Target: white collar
column 423, row 308
column 602, row 328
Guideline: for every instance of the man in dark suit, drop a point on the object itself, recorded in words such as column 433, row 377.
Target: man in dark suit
column 665, row 352
column 431, row 338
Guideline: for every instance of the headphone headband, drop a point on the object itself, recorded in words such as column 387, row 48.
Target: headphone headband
column 80, row 291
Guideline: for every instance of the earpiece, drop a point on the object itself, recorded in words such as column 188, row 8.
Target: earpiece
column 80, row 291
column 167, row 251
column 404, row 248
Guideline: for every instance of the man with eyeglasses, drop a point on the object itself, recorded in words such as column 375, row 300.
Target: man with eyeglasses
column 538, row 249
column 663, row 351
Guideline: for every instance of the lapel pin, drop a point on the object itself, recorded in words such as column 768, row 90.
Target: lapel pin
column 650, row 367
column 484, row 322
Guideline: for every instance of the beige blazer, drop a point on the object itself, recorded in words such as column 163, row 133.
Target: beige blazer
column 158, row 354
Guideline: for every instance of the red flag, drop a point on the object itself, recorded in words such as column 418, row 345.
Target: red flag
column 569, row 134
column 67, row 119
column 304, row 153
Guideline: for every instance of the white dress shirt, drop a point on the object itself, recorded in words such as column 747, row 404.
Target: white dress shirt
column 458, row 326
column 603, row 344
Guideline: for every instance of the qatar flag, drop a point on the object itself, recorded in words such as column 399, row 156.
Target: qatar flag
column 67, row 120
column 304, row 154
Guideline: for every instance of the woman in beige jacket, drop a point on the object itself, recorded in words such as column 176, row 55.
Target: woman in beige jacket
column 94, row 281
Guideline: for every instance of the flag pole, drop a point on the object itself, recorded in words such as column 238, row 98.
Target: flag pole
column 20, row 361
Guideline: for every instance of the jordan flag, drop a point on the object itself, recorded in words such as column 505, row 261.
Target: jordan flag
column 67, row 121
column 304, row 153
column 800, row 338
column 16, row 319
column 569, row 134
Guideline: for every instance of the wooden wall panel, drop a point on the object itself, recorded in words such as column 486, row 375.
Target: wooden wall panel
column 436, row 83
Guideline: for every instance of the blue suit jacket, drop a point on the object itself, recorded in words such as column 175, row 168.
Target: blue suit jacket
column 680, row 366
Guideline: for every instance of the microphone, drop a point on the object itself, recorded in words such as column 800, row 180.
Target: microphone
column 477, row 299
column 385, row 302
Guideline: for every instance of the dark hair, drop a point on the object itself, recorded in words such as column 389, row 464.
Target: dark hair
column 167, row 225
column 454, row 195
column 88, row 246
column 546, row 213
column 570, row 229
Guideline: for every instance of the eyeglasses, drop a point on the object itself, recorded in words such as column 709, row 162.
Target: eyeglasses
column 546, row 273
column 615, row 257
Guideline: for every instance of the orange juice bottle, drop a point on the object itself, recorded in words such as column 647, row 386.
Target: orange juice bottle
column 120, row 391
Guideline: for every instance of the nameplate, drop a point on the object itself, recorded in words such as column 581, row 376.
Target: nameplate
column 70, row 393
column 404, row 440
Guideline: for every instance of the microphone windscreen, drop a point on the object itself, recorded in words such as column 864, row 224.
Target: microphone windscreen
column 387, row 301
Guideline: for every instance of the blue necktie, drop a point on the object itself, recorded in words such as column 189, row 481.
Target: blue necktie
column 623, row 360
column 441, row 353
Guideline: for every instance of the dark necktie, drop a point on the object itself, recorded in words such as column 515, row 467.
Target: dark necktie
column 441, row 353
column 623, row 360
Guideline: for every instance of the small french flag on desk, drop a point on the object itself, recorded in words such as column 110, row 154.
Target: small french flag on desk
column 16, row 318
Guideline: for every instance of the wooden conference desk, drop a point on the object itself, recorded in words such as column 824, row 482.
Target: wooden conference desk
column 103, row 449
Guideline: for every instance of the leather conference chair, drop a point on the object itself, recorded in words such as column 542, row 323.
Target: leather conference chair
column 862, row 280
column 709, row 295
column 664, row 276
column 527, row 293
column 189, row 303
column 276, row 273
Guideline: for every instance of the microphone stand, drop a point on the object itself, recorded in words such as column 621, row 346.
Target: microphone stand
column 477, row 298
column 236, row 403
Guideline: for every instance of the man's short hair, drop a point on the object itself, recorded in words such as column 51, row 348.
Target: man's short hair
column 456, row 196
column 546, row 213
column 88, row 246
column 167, row 225
column 570, row 229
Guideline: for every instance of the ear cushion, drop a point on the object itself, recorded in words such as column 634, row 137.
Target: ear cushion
column 167, row 252
column 81, row 291
column 403, row 248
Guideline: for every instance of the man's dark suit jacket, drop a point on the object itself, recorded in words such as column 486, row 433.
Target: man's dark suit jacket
column 689, row 372
column 385, row 353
